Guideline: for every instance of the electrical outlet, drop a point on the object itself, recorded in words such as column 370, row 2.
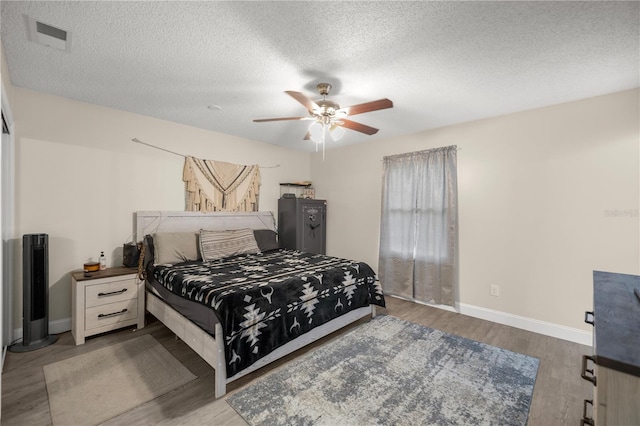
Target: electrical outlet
column 495, row 290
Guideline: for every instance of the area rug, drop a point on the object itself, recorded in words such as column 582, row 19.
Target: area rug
column 392, row 372
column 91, row 388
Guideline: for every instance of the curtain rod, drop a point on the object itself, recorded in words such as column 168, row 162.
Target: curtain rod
column 136, row 140
column 409, row 154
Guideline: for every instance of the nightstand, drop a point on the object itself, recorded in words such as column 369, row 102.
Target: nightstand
column 105, row 301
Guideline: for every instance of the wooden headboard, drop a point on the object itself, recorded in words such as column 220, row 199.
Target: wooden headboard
column 150, row 222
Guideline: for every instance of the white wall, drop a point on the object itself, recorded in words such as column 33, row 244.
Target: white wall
column 80, row 178
column 534, row 188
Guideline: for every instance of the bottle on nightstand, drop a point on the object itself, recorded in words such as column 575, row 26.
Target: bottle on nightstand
column 103, row 261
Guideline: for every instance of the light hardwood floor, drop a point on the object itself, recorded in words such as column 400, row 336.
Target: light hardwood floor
column 557, row 399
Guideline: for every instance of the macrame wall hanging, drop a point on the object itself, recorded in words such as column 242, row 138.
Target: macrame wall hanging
column 216, row 185
column 219, row 186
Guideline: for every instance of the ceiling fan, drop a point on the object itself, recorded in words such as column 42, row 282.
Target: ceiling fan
column 328, row 115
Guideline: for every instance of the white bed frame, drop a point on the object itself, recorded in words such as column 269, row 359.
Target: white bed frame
column 210, row 348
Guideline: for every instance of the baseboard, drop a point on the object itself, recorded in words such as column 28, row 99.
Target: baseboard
column 55, row 327
column 542, row 327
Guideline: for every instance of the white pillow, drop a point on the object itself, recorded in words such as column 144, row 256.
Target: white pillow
column 175, row 247
column 219, row 244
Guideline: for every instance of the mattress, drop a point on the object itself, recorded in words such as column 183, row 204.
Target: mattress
column 201, row 315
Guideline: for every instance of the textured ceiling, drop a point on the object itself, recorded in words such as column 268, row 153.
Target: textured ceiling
column 440, row 63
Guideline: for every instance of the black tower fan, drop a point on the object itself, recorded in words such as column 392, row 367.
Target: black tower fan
column 35, row 294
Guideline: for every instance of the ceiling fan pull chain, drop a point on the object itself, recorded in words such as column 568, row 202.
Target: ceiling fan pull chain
column 323, row 134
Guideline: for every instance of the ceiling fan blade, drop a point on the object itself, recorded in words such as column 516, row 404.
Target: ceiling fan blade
column 261, row 120
column 358, row 127
column 308, row 103
column 368, row 106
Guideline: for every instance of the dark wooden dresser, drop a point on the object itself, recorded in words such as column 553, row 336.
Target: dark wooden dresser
column 614, row 366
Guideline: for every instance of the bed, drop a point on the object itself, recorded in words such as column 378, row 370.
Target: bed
column 243, row 311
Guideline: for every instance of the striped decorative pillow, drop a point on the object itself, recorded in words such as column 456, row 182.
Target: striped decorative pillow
column 219, row 244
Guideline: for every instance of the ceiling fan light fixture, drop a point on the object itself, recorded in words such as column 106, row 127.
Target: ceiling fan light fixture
column 336, row 132
column 341, row 113
column 315, row 131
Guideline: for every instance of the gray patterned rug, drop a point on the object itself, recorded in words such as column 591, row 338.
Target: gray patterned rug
column 392, row 372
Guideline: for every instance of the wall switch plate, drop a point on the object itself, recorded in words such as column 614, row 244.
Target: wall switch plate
column 495, row 290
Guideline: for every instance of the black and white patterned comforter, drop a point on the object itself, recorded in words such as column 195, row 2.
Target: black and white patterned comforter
column 265, row 300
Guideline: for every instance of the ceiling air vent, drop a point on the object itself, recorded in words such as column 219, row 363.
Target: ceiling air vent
column 48, row 35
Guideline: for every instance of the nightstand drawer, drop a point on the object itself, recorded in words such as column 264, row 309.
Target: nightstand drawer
column 111, row 292
column 112, row 313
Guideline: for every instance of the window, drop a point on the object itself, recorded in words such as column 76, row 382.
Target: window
column 418, row 233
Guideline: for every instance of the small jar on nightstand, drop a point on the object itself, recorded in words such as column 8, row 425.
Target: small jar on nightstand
column 107, row 300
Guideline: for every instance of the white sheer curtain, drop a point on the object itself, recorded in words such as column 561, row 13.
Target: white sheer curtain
column 419, row 227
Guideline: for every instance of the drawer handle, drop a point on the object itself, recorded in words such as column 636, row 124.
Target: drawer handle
column 588, row 314
column 112, row 293
column 590, row 378
column 586, row 420
column 112, row 313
